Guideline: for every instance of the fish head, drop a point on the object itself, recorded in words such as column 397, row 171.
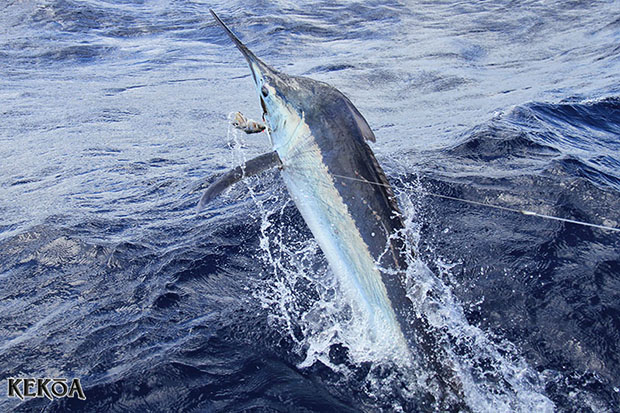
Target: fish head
column 293, row 104
column 279, row 93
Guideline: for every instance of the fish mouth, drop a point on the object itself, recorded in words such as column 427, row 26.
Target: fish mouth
column 264, row 106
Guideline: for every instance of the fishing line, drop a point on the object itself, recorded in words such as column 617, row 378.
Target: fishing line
column 485, row 204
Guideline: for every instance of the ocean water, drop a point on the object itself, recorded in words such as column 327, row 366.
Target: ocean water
column 114, row 118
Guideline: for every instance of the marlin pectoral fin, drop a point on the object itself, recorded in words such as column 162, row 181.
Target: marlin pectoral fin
column 252, row 167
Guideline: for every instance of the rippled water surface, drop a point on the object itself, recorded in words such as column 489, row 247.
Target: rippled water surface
column 114, row 116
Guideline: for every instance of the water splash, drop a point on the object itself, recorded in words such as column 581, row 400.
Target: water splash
column 307, row 304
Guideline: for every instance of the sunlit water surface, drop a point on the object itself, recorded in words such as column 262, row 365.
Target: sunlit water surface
column 114, row 118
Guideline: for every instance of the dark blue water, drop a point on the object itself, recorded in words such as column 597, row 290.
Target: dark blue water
column 113, row 116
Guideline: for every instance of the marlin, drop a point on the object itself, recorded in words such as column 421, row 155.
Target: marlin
column 320, row 144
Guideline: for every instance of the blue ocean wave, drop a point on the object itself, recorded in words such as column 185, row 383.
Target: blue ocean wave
column 114, row 121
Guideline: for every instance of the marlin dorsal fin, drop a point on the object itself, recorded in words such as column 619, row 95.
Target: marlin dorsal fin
column 361, row 123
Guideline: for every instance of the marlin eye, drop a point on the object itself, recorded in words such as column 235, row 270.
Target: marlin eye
column 264, row 91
